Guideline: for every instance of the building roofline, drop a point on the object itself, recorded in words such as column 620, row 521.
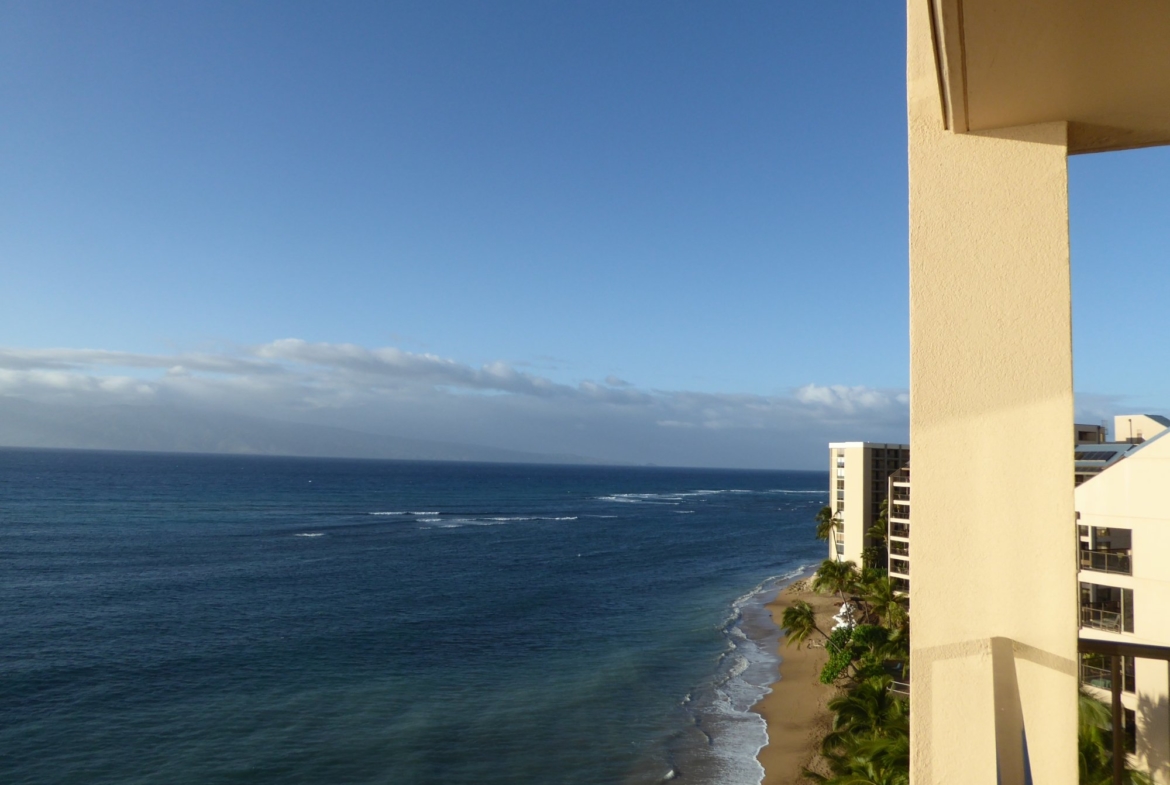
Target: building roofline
column 843, row 445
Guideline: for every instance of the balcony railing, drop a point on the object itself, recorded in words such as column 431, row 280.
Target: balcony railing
column 901, row 494
column 899, row 512
column 1100, row 619
column 899, row 549
column 1107, row 561
column 900, row 566
column 901, row 530
column 1102, row 678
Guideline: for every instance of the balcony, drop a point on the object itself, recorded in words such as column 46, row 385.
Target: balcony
column 1107, row 561
column 899, row 566
column 898, row 512
column 901, row 530
column 900, row 494
column 1101, row 619
column 899, row 549
column 1094, row 673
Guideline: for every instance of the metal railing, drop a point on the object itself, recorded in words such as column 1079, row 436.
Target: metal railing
column 900, row 494
column 901, row 530
column 1100, row 619
column 1102, row 678
column 1097, row 677
column 901, row 513
column 899, row 549
column 1107, row 561
column 900, row 566
column 900, row 688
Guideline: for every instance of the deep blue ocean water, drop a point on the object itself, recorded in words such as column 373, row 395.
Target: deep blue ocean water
column 210, row 619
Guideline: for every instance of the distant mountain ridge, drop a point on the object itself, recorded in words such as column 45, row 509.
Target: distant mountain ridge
column 167, row 429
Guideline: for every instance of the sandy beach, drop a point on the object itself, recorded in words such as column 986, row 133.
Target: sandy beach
column 795, row 710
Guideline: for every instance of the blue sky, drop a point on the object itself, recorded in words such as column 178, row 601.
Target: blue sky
column 683, row 198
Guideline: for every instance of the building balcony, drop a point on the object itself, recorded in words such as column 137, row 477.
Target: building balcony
column 900, row 530
column 899, row 549
column 1095, row 672
column 1118, row 562
column 899, row 567
column 1102, row 619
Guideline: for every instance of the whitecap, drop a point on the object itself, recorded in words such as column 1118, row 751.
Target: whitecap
column 788, row 490
column 310, row 534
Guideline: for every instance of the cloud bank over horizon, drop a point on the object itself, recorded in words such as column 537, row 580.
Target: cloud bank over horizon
column 390, row 391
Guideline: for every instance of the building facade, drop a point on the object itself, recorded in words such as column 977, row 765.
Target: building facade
column 1122, row 512
column 859, row 475
column 1123, row 531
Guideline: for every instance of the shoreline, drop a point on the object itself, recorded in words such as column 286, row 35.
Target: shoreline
column 795, row 711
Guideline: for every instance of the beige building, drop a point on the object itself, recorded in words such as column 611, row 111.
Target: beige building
column 999, row 94
column 1089, row 434
column 858, row 482
column 898, row 535
column 1137, row 428
column 1093, row 454
column 1123, row 532
column 1123, row 528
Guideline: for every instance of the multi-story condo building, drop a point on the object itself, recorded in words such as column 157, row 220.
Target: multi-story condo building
column 1093, row 455
column 1123, row 527
column 899, row 529
column 858, row 484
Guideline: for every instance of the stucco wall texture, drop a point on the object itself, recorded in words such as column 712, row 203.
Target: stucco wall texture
column 994, row 644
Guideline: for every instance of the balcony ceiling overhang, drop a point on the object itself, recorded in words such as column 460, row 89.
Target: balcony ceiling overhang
column 1102, row 65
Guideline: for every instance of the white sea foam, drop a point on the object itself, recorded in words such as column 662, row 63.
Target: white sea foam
column 722, row 709
column 684, row 512
column 389, row 513
column 678, row 497
column 789, row 490
column 450, row 523
column 639, row 498
column 310, row 534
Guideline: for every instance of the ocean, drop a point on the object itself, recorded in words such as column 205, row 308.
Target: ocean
column 212, row 619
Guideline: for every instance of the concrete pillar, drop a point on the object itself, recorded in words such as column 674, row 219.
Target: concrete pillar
column 993, row 596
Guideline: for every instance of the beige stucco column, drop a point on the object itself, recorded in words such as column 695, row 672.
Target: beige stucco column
column 993, row 592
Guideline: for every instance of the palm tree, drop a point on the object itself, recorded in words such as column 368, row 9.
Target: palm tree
column 870, row 740
column 826, row 521
column 799, row 621
column 836, row 577
column 876, row 553
column 888, row 605
column 1095, row 745
column 868, row 711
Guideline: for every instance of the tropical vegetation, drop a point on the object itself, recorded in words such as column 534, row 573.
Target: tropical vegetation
column 869, row 654
column 826, row 520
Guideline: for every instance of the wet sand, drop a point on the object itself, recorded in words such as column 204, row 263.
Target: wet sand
column 795, row 710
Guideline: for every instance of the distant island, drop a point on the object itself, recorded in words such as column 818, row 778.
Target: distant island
column 173, row 429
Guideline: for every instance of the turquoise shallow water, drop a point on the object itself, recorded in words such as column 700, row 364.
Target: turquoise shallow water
column 202, row 619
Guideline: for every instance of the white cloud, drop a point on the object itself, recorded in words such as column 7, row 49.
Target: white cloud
column 424, row 395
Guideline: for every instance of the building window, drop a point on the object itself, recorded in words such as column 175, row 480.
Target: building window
column 1129, row 723
column 1107, row 608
